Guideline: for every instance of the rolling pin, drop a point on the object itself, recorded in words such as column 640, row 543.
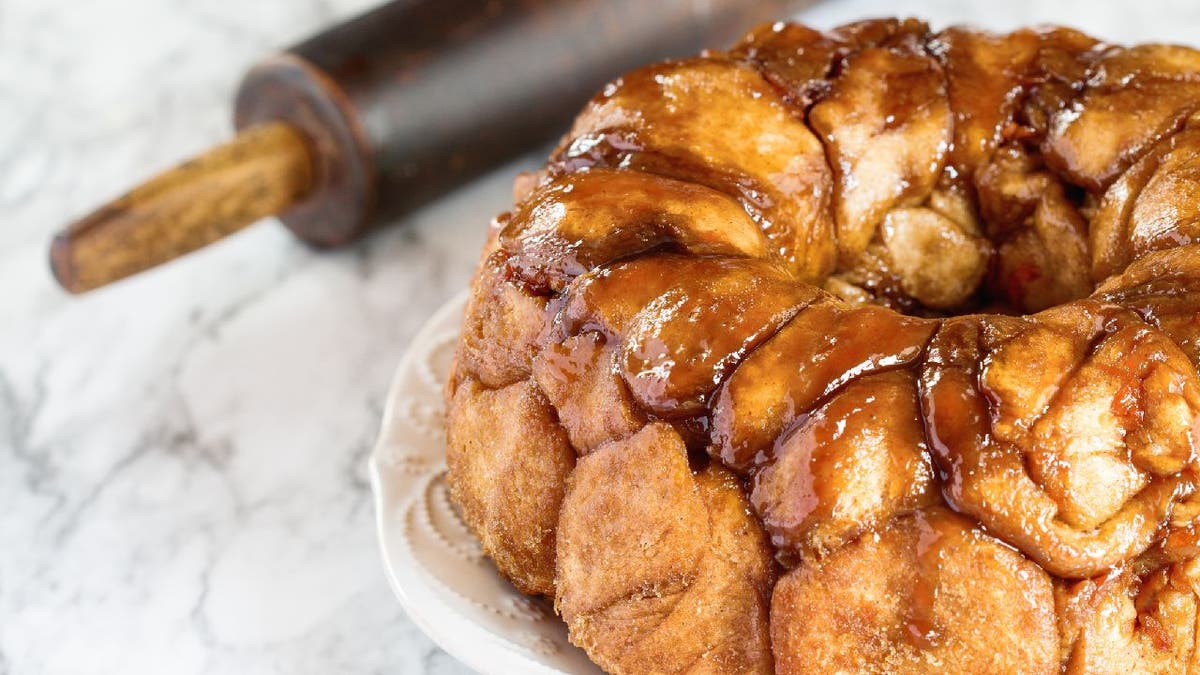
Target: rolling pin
column 376, row 116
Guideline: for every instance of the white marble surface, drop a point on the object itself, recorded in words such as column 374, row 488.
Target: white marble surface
column 182, row 456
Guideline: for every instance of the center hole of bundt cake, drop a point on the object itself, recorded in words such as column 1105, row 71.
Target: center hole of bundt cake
column 1014, row 243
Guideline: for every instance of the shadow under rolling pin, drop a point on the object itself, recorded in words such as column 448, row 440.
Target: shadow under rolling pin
column 376, row 116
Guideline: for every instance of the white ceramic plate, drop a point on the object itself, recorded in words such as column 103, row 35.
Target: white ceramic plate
column 434, row 564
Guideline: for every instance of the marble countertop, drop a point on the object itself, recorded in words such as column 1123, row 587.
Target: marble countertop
column 182, row 456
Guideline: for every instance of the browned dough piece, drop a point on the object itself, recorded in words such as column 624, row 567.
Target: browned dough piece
column 701, row 121
column 1133, row 623
column 1164, row 288
column 852, row 465
column 508, row 463
column 1134, row 97
column 662, row 570
column 572, row 224
column 927, row 594
column 985, row 74
column 1155, row 205
column 501, row 327
column 824, row 348
column 580, row 377
column 886, row 126
column 1068, row 434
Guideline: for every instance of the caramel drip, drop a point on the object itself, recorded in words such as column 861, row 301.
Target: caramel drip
column 936, row 535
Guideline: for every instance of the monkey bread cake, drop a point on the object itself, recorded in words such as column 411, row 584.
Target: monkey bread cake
column 869, row 350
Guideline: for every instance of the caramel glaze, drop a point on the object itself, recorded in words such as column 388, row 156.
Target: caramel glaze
column 721, row 244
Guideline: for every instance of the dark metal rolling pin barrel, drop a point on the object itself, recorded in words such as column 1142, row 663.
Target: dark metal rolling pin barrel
column 374, row 117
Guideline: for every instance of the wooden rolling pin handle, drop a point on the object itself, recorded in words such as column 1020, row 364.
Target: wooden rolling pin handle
column 262, row 171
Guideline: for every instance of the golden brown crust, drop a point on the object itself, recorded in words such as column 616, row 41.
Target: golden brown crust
column 500, row 330
column 1094, row 141
column 508, row 464
column 824, row 348
column 847, row 469
column 886, row 129
column 985, row 75
column 1069, row 434
column 661, row 570
column 1163, row 287
column 1129, row 622
column 661, row 120
column 572, row 224
column 579, row 376
column 1151, row 207
column 927, row 594
column 745, row 293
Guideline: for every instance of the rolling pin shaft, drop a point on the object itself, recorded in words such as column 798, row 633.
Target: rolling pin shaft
column 377, row 116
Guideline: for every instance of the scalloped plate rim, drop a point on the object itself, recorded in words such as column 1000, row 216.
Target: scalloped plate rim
column 475, row 645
